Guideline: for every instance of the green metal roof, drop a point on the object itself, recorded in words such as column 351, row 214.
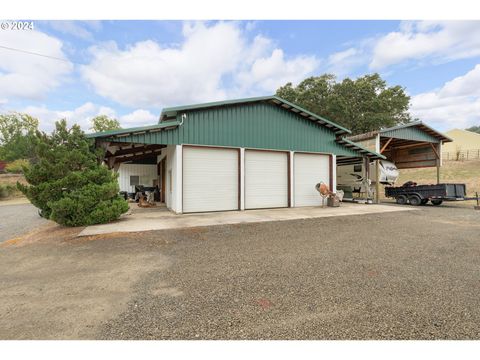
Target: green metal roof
column 361, row 149
column 415, row 131
column 398, row 131
column 135, row 130
column 173, row 111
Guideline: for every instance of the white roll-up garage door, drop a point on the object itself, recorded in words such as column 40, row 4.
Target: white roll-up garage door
column 309, row 170
column 210, row 179
column 266, row 179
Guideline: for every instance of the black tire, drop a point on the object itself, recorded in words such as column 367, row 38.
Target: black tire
column 401, row 199
column 414, row 200
column 424, row 201
column 436, row 202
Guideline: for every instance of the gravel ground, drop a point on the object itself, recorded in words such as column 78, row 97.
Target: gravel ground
column 406, row 275
column 18, row 219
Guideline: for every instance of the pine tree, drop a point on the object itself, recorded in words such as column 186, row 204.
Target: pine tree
column 68, row 183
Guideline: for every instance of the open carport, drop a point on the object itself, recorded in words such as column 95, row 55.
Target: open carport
column 412, row 145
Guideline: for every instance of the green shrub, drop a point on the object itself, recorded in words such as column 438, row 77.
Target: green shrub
column 67, row 182
column 17, row 166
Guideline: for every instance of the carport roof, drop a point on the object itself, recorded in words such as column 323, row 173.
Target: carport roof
column 165, row 125
column 415, row 130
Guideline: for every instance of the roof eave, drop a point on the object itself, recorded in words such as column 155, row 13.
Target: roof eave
column 133, row 131
column 339, row 130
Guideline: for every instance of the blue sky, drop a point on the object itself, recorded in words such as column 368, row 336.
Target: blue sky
column 132, row 69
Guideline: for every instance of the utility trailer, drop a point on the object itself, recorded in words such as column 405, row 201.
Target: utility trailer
column 413, row 194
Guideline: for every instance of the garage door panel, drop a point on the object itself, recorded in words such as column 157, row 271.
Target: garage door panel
column 266, row 179
column 309, row 169
column 210, row 179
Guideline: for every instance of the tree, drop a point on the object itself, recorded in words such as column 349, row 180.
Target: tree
column 474, row 129
column 361, row 105
column 17, row 131
column 104, row 123
column 68, row 183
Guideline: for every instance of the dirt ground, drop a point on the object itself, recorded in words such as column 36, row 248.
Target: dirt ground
column 405, row 275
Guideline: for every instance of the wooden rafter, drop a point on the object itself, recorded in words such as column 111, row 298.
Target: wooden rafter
column 137, row 157
column 386, row 144
column 135, row 150
column 435, row 151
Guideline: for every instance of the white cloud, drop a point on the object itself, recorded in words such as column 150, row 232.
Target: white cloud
column 213, row 62
column 82, row 115
column 427, row 40
column 138, row 117
column 455, row 105
column 30, row 76
column 343, row 62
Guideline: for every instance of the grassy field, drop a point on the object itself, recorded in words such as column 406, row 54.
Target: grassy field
column 467, row 172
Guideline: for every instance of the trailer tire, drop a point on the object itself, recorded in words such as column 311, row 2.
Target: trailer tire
column 436, row 202
column 414, row 200
column 401, row 199
column 424, row 201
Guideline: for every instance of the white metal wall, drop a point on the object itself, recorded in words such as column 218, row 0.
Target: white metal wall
column 147, row 174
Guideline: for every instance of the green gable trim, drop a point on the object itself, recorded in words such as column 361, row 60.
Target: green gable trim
column 129, row 131
column 286, row 105
column 410, row 133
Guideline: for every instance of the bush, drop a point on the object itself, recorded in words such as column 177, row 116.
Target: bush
column 67, row 182
column 17, row 166
column 7, row 190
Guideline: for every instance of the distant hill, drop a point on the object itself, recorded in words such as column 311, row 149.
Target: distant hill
column 475, row 129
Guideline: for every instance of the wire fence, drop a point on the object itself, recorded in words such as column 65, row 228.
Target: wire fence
column 461, row 155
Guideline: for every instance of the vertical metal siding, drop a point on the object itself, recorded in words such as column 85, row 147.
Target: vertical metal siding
column 255, row 125
column 410, row 133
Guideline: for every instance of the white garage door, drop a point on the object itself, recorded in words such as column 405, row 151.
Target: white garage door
column 266, row 179
column 210, row 179
column 309, row 170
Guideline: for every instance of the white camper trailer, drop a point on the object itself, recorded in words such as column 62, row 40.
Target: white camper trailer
column 353, row 178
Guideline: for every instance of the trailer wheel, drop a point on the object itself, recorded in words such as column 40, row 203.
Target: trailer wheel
column 415, row 200
column 401, row 199
column 424, row 201
column 436, row 202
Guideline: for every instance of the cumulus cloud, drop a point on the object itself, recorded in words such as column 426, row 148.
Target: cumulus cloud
column 455, row 105
column 213, row 62
column 344, row 62
column 138, row 117
column 30, row 76
column 83, row 114
column 427, row 40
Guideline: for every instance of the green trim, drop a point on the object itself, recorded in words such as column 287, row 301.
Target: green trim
column 370, row 152
column 173, row 111
column 160, row 126
column 417, row 124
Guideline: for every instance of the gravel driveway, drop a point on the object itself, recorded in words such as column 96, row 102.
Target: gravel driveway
column 17, row 219
column 405, row 275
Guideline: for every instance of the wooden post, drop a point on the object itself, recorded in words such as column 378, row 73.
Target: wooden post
column 377, row 181
column 438, row 171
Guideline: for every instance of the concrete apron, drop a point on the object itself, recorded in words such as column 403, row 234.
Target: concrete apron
column 161, row 220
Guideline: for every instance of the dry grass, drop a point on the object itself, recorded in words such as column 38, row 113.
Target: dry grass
column 464, row 172
column 11, row 179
